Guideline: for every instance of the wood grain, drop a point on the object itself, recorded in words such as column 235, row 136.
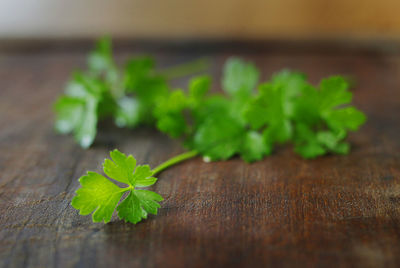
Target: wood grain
column 335, row 211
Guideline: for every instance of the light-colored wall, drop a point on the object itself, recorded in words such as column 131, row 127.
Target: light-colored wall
column 260, row 19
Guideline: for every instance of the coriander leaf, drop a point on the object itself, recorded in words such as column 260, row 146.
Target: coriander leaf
column 148, row 200
column 130, row 209
column 97, row 194
column 293, row 84
column 310, row 150
column 278, row 132
column 254, row 147
column 333, row 92
column 141, row 78
column 332, row 141
column 86, row 132
column 306, row 143
column 149, row 89
column 100, row 61
column 86, row 100
column 100, row 195
column 138, row 205
column 69, row 111
column 169, row 114
column 346, row 118
column 198, row 88
column 78, row 116
column 219, row 137
column 101, row 58
column 325, row 115
column 137, row 70
column 213, row 105
column 127, row 113
column 306, row 106
column 268, row 110
column 239, row 78
column 142, row 177
column 121, row 167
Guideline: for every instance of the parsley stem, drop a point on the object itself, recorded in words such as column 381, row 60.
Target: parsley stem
column 123, row 190
column 174, row 160
column 184, row 69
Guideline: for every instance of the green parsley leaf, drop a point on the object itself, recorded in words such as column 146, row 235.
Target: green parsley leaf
column 323, row 118
column 79, row 116
column 149, row 88
column 101, row 61
column 138, row 205
column 100, row 196
column 86, row 99
column 97, row 194
column 306, row 142
column 143, row 177
column 219, row 137
column 239, row 78
column 245, row 122
column 269, row 110
column 127, row 113
column 198, row 88
column 254, row 147
column 169, row 114
column 120, row 168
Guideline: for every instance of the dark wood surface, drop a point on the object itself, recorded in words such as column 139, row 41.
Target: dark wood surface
column 280, row 212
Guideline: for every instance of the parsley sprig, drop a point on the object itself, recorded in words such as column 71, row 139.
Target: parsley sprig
column 249, row 118
column 100, row 196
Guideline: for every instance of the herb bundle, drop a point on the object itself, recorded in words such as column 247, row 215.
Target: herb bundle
column 248, row 120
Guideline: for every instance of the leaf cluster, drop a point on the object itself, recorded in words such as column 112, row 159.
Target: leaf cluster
column 250, row 118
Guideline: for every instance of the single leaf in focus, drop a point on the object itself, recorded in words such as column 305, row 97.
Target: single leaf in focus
column 100, row 196
column 149, row 200
column 138, row 205
column 121, row 167
column 142, row 177
column 97, row 194
column 130, row 209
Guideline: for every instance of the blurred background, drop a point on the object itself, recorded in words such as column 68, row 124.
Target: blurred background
column 201, row 19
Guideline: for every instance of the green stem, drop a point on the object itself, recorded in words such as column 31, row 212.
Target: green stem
column 174, row 160
column 184, row 69
column 123, row 190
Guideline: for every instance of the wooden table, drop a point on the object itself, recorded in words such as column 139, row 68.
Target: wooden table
column 282, row 211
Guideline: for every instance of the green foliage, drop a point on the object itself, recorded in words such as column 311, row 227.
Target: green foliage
column 248, row 121
column 101, row 196
column 323, row 117
column 86, row 100
column 240, row 78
